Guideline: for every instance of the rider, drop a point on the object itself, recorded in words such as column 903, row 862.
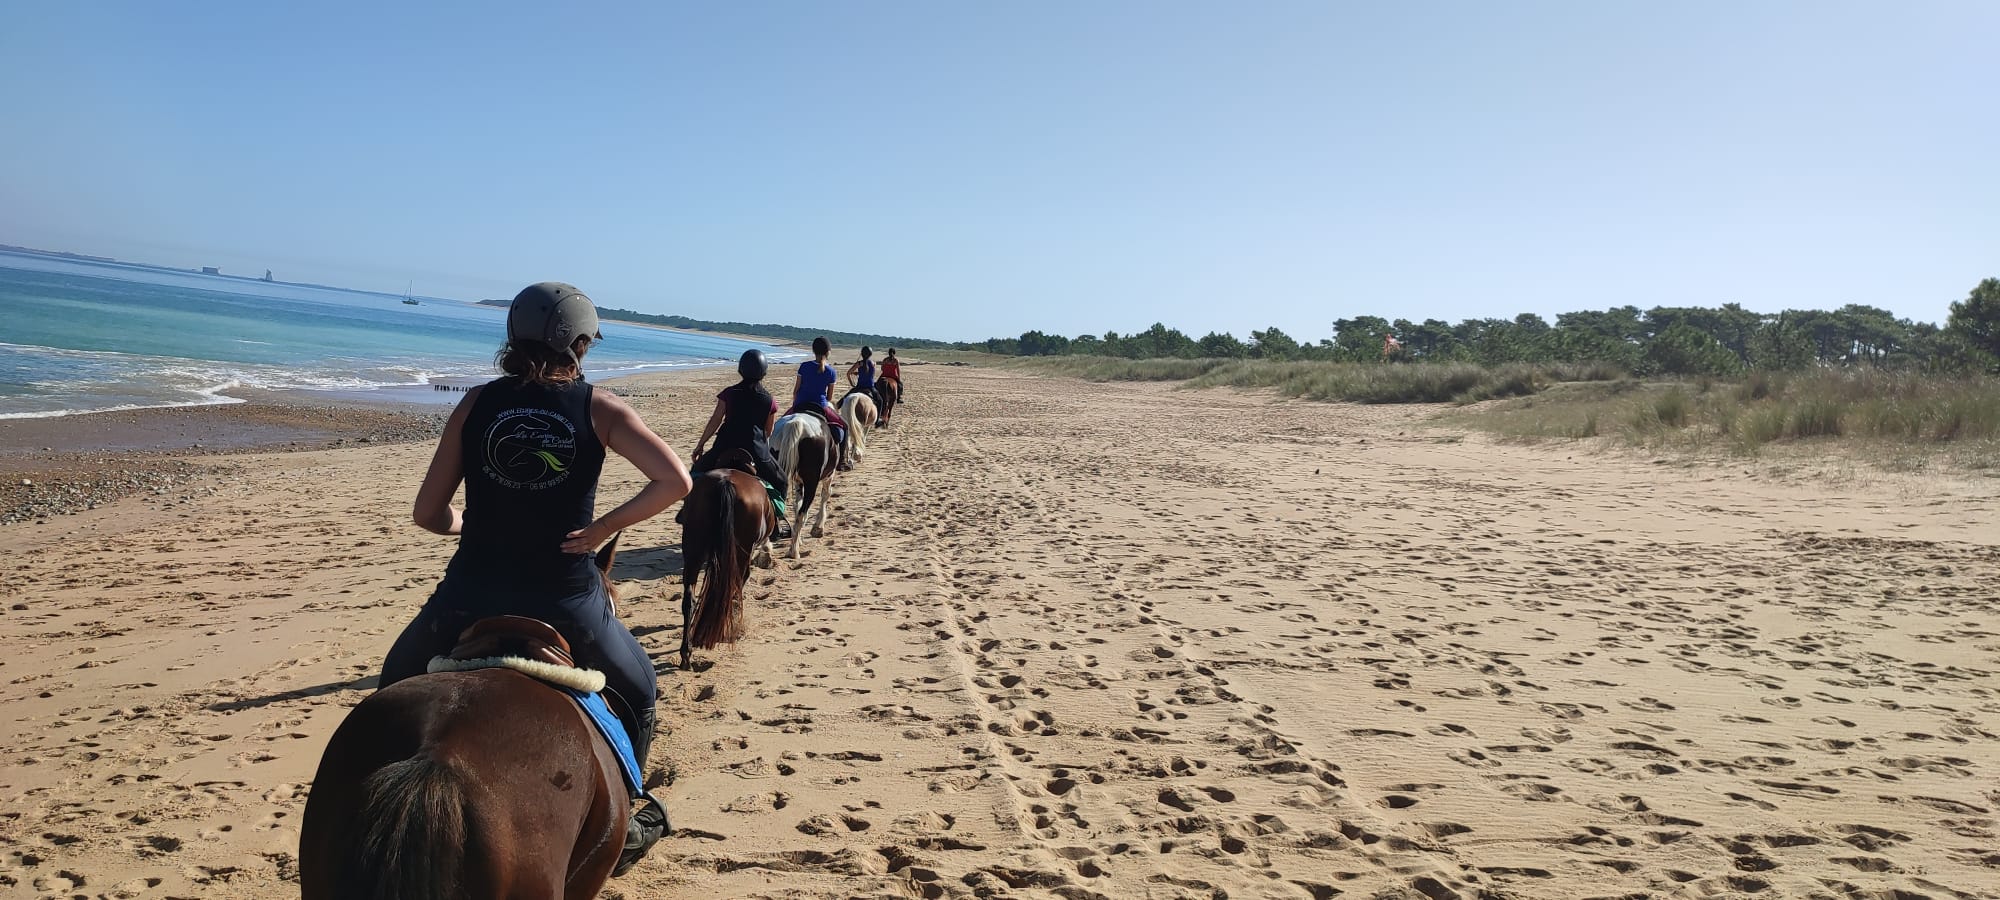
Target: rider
column 893, row 368
column 743, row 418
column 863, row 370
column 813, row 390
column 529, row 448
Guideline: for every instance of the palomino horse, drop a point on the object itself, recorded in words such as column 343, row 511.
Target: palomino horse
column 728, row 524
column 858, row 409
column 481, row 783
column 807, row 456
column 886, row 390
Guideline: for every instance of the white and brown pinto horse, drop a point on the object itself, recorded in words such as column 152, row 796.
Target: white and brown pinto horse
column 807, row 457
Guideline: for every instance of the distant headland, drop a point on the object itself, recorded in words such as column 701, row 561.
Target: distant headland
column 210, row 271
column 762, row 330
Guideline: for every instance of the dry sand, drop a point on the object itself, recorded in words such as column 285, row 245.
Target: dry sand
column 1071, row 640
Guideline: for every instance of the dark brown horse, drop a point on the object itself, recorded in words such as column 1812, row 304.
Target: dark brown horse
column 726, row 526
column 807, row 455
column 886, row 391
column 465, row 786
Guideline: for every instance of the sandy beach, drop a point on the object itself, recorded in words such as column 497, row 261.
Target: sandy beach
column 1097, row 641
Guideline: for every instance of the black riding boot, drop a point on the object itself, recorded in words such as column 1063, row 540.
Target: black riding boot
column 649, row 820
column 641, row 733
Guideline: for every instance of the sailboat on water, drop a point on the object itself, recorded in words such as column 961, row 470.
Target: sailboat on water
column 407, row 299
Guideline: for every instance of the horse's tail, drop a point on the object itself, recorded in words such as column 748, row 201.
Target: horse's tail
column 605, row 555
column 791, row 430
column 721, row 619
column 857, row 433
column 412, row 843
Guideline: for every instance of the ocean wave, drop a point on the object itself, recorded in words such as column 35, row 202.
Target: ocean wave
column 122, row 407
column 61, row 381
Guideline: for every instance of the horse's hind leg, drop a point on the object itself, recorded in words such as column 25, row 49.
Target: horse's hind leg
column 806, row 491
column 688, row 572
column 825, row 501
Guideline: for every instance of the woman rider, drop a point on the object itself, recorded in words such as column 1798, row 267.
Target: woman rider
column 893, row 368
column 813, row 390
column 861, row 375
column 528, row 448
column 743, row 418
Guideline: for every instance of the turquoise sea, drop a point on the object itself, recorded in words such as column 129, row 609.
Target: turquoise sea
column 82, row 337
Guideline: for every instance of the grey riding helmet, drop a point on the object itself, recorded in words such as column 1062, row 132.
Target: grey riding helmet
column 552, row 313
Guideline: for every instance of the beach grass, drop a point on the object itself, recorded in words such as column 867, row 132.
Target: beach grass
column 1331, row 381
column 1896, row 411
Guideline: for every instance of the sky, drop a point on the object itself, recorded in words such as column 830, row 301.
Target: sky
column 960, row 171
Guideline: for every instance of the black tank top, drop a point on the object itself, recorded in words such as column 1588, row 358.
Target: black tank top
column 531, row 462
column 745, row 409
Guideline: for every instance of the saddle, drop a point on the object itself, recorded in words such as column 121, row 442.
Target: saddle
column 534, row 648
column 736, row 458
column 810, row 409
column 497, row 636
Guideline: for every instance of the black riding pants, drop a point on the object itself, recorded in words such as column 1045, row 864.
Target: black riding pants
column 596, row 638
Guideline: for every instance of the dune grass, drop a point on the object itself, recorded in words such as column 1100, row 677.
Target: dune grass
column 1744, row 417
column 1351, row 382
column 1107, row 368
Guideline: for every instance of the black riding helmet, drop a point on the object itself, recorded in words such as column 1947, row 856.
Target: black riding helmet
column 753, row 366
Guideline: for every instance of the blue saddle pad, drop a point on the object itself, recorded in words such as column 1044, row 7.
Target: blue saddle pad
column 600, row 714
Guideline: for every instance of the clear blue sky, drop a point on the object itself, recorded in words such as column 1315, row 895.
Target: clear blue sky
column 963, row 170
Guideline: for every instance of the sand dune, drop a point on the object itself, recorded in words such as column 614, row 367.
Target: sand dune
column 1071, row 640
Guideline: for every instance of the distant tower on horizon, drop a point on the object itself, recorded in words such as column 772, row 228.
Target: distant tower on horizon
column 267, row 275
column 210, row 270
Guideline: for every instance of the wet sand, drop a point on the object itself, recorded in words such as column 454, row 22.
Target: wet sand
column 1074, row 640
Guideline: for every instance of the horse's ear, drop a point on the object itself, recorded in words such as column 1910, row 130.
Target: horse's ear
column 607, row 552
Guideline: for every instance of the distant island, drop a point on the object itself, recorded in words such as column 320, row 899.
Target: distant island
column 211, row 271
column 764, row 330
column 60, row 254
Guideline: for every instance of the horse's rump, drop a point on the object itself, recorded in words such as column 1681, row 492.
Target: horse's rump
column 419, row 794
column 789, row 436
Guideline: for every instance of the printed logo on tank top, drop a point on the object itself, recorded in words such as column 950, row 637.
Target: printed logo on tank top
column 530, row 449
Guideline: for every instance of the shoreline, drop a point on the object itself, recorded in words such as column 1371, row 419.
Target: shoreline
column 59, row 465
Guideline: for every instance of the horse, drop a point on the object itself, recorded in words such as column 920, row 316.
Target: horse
column 858, row 408
column 480, row 783
column 886, row 391
column 727, row 529
column 807, row 456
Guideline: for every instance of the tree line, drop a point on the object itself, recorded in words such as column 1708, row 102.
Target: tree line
column 1664, row 340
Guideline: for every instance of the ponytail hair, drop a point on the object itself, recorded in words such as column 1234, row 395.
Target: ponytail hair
column 539, row 363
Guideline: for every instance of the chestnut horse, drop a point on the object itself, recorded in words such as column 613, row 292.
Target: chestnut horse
column 727, row 527
column 475, row 784
column 806, row 456
column 886, row 391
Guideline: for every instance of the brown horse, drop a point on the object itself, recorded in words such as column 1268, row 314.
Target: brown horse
column 726, row 527
column 806, row 455
column 886, row 391
column 464, row 785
